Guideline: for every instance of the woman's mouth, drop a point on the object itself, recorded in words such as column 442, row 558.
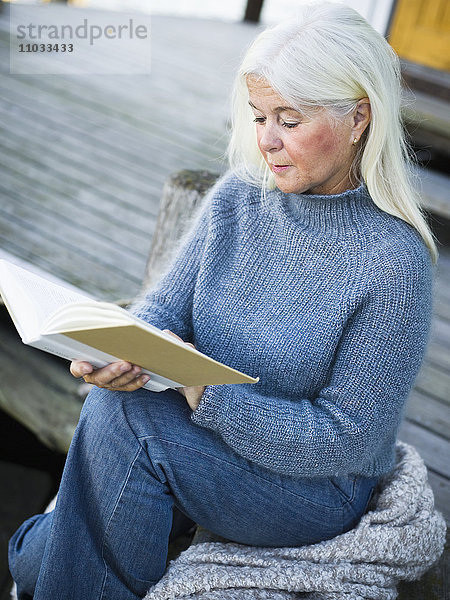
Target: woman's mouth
column 279, row 168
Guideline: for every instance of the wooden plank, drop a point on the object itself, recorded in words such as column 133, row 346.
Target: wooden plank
column 73, row 236
column 164, row 37
column 438, row 349
column 435, row 188
column 79, row 215
column 79, row 269
column 442, row 293
column 442, row 284
column 428, row 412
column 445, row 256
column 47, row 190
column 427, row 121
column 442, row 296
column 57, row 177
column 119, row 133
column 430, row 81
column 427, row 112
column 110, row 146
column 434, row 449
column 74, row 175
column 68, row 104
column 105, row 115
column 61, row 148
column 78, row 139
column 428, row 371
column 441, row 309
column 46, row 399
column 443, row 271
column 186, row 63
column 434, row 382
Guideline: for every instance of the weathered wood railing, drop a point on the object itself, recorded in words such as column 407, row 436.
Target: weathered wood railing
column 181, row 195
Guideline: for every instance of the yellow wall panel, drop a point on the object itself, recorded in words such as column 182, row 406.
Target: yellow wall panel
column 420, row 32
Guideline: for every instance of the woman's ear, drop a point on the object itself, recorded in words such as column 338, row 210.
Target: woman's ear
column 361, row 117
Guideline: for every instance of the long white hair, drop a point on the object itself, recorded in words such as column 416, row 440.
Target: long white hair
column 330, row 56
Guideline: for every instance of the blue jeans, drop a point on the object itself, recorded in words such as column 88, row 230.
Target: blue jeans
column 139, row 471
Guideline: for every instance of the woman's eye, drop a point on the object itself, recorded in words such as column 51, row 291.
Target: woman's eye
column 287, row 124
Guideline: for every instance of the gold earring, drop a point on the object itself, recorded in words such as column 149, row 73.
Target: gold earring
column 355, row 141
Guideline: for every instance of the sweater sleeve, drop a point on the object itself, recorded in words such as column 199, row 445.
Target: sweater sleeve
column 357, row 413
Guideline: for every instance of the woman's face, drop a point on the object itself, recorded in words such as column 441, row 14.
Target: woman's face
column 305, row 154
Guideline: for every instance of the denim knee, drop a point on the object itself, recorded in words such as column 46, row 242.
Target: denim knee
column 110, row 413
column 101, row 408
column 96, row 401
column 26, row 550
column 100, row 403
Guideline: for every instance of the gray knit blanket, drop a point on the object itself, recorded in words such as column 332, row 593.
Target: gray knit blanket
column 400, row 537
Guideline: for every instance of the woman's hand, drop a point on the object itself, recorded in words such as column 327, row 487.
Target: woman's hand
column 124, row 377
column 119, row 376
column 193, row 393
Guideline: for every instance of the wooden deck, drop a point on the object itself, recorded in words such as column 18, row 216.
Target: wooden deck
column 84, row 158
column 82, row 165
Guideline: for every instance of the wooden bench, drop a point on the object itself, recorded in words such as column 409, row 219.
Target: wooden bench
column 49, row 405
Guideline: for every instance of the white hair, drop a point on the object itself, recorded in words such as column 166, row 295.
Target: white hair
column 330, row 56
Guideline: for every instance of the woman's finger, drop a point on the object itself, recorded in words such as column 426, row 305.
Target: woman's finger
column 78, row 368
column 131, row 386
column 177, row 337
column 126, row 378
column 104, row 376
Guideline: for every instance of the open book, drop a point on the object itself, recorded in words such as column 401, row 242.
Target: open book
column 71, row 325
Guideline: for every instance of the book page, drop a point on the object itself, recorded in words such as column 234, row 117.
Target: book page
column 45, row 295
column 22, row 314
column 93, row 314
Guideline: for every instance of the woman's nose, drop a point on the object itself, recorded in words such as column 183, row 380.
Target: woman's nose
column 269, row 140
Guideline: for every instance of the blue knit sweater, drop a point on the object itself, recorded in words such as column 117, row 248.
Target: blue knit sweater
column 327, row 299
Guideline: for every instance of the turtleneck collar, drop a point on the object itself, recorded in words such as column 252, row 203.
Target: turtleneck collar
column 333, row 211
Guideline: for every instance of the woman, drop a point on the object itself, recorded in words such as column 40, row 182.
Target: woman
column 310, row 266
